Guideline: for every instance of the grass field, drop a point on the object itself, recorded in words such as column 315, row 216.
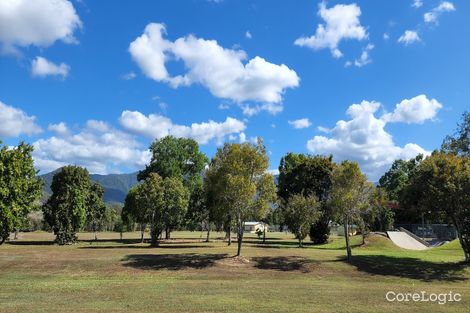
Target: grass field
column 186, row 274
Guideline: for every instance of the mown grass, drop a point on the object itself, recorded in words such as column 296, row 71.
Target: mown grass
column 186, row 274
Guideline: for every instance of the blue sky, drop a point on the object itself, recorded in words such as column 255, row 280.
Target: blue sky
column 93, row 82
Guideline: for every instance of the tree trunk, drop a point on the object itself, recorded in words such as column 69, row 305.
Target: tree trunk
column 167, row 233
column 346, row 237
column 208, row 234
column 16, row 234
column 2, row 240
column 229, row 235
column 239, row 235
column 463, row 243
column 153, row 233
column 120, row 235
column 142, row 229
column 264, row 233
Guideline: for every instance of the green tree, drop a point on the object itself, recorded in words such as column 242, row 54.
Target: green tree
column 459, row 143
column 199, row 213
column 238, row 179
column 65, row 211
column 149, row 200
column 308, row 175
column 175, row 201
column 300, row 213
column 95, row 207
column 441, row 184
column 176, row 157
column 132, row 213
column 394, row 181
column 20, row 189
column 350, row 195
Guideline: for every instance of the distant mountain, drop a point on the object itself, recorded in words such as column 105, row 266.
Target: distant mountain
column 115, row 186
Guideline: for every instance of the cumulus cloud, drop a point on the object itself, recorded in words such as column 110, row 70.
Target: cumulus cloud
column 433, row 15
column 363, row 138
column 60, row 129
column 409, row 37
column 364, row 59
column 158, row 126
column 248, row 35
column 39, row 23
column 341, row 23
column 417, row 3
column 300, row 123
column 98, row 147
column 272, row 108
column 129, row 76
column 415, row 110
column 14, row 122
column 41, row 67
column 226, row 73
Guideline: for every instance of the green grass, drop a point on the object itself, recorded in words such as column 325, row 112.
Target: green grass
column 188, row 275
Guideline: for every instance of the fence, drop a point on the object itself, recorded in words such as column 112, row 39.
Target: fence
column 431, row 231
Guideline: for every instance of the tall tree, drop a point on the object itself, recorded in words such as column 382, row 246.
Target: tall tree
column 133, row 213
column 175, row 200
column 308, row 175
column 65, row 211
column 95, row 207
column 350, row 195
column 393, row 183
column 459, row 143
column 300, row 213
column 176, row 157
column 441, row 184
column 199, row 213
column 150, row 200
column 239, row 173
column 20, row 189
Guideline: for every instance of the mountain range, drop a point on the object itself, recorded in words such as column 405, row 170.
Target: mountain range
column 115, row 186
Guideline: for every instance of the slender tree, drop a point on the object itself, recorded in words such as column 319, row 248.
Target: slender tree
column 95, row 207
column 20, row 189
column 350, row 195
column 300, row 213
column 239, row 173
column 175, row 201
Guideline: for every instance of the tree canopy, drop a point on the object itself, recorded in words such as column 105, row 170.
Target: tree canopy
column 20, row 189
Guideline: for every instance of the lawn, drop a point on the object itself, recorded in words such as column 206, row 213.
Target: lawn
column 186, row 274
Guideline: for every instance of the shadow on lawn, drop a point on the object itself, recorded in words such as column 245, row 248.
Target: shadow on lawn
column 31, row 243
column 173, row 262
column 284, row 264
column 161, row 246
column 412, row 268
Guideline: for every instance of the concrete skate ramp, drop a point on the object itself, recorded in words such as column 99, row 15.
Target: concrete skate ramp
column 405, row 241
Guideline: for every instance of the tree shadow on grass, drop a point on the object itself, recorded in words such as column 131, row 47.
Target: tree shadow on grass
column 161, row 246
column 284, row 264
column 412, row 268
column 31, row 242
column 172, row 262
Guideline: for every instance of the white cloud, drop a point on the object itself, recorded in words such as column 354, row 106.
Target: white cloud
column 364, row 59
column 218, row 69
column 39, row 22
column 272, row 108
column 14, row 122
column 409, row 37
column 363, row 139
column 433, row 15
column 41, row 67
column 417, row 3
column 60, row 129
column 342, row 23
column 300, row 123
column 248, row 35
column 223, row 106
column 415, row 110
column 386, row 36
column 129, row 76
column 323, row 129
column 157, row 126
column 98, row 147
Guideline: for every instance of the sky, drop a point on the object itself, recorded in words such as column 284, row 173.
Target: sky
column 93, row 83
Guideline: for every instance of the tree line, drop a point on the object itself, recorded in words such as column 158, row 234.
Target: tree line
column 182, row 188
